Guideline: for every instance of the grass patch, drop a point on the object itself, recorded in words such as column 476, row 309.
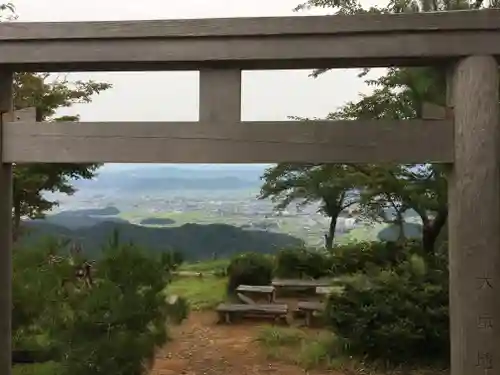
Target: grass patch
column 308, row 350
column 208, row 266
column 201, row 293
column 320, row 350
column 49, row 368
column 270, row 336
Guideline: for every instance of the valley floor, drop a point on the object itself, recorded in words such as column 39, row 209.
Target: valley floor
column 201, row 347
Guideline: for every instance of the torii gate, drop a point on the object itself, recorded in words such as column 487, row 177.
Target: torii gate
column 467, row 42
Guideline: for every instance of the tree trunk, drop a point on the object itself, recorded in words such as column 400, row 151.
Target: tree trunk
column 431, row 230
column 401, row 227
column 331, row 232
column 401, row 233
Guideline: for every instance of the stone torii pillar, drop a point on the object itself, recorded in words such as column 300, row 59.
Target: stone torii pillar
column 7, row 114
column 6, row 103
column 474, row 218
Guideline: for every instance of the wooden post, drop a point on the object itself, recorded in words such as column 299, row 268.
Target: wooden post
column 5, row 234
column 474, row 219
column 220, row 95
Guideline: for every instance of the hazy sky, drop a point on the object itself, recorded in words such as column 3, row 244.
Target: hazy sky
column 173, row 96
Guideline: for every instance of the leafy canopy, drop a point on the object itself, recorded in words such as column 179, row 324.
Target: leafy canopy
column 48, row 94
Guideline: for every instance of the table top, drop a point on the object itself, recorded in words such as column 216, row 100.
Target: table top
column 256, row 288
column 301, row 282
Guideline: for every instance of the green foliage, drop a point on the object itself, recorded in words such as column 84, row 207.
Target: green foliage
column 393, row 6
column 112, row 324
column 172, row 259
column 342, row 260
column 37, row 277
column 303, row 263
column 384, row 193
column 49, row 368
column 196, row 241
column 48, row 94
column 7, row 11
column 328, row 184
column 249, row 269
column 216, row 267
column 206, row 266
column 118, row 324
column 221, row 272
column 397, row 314
column 364, row 256
column 307, row 183
column 273, row 336
column 177, row 309
column 387, row 192
column 391, row 304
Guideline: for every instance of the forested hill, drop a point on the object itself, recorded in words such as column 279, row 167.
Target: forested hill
column 197, row 242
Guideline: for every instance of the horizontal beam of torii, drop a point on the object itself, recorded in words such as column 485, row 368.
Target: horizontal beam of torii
column 366, row 40
column 374, row 141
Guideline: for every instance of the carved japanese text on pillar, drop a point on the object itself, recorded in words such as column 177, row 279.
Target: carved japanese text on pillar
column 484, row 282
column 485, row 322
column 485, row 362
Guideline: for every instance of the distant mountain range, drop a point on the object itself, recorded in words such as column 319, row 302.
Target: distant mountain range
column 172, row 178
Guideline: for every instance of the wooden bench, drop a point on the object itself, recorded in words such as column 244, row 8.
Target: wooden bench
column 300, row 285
column 228, row 311
column 258, row 291
column 309, row 308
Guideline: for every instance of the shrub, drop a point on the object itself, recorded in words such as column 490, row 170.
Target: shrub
column 177, row 308
column 112, row 325
column 36, row 286
column 364, row 256
column 116, row 325
column 249, row 269
column 345, row 259
column 397, row 314
column 172, row 259
column 220, row 272
column 302, row 262
column 48, row 368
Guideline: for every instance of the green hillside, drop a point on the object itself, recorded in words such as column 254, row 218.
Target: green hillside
column 197, row 242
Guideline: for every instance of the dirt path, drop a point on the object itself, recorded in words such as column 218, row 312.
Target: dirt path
column 200, row 347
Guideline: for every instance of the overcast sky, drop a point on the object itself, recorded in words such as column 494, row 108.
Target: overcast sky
column 173, row 96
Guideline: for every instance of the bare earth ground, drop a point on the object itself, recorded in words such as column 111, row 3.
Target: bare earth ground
column 202, row 347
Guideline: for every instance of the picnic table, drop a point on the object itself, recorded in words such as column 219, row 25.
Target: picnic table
column 309, row 309
column 258, row 291
column 305, row 285
column 228, row 311
column 326, row 290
